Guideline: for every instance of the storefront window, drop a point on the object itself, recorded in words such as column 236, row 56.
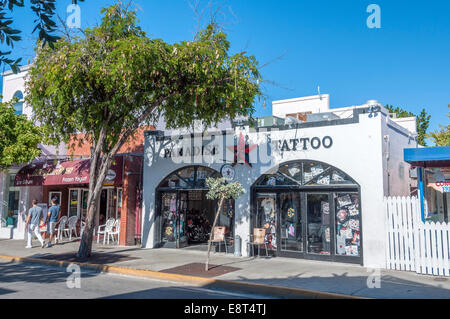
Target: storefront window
column 313, row 208
column 266, row 217
column 305, row 173
column 437, row 194
column 347, row 224
column 84, row 203
column 190, row 177
column 73, row 202
column 54, row 195
column 291, row 222
column 169, row 217
column 119, row 202
column 318, row 219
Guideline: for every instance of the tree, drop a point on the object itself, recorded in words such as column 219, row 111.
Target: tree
column 441, row 137
column 422, row 121
column 19, row 137
column 115, row 79
column 44, row 10
column 220, row 189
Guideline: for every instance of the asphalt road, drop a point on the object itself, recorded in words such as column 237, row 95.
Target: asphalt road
column 30, row 281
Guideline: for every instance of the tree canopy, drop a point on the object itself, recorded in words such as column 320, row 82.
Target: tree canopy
column 115, row 79
column 441, row 137
column 19, row 137
column 422, row 121
column 44, row 24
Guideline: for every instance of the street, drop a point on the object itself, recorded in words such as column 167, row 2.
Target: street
column 26, row 281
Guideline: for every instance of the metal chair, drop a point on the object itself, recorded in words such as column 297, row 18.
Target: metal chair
column 258, row 239
column 219, row 236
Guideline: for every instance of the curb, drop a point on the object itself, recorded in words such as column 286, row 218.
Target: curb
column 237, row 286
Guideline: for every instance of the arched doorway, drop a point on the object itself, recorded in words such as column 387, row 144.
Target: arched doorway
column 184, row 214
column 310, row 210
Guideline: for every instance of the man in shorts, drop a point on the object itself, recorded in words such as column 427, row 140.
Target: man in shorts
column 54, row 213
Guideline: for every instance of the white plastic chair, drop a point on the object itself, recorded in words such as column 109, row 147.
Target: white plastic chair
column 105, row 229
column 61, row 226
column 71, row 227
column 115, row 230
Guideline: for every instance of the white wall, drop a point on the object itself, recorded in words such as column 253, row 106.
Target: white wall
column 314, row 104
column 396, row 139
column 357, row 151
column 13, row 83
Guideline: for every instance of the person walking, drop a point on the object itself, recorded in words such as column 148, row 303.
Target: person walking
column 54, row 214
column 35, row 214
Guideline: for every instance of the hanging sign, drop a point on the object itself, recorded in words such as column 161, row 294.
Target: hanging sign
column 442, row 187
column 227, row 171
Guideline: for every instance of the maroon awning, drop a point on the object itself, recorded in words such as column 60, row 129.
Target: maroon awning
column 67, row 173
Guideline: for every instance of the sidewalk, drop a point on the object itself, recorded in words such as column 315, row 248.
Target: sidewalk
column 327, row 277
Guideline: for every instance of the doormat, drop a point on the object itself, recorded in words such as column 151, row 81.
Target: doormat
column 198, row 269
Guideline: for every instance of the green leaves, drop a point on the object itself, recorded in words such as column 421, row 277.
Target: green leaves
column 19, row 138
column 116, row 79
column 441, row 137
column 44, row 11
column 222, row 188
column 422, row 121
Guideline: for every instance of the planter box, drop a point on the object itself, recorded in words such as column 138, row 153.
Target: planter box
column 6, row 232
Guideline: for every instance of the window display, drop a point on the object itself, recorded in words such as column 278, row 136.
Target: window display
column 291, row 222
column 347, row 225
column 169, row 215
column 318, row 218
column 267, row 218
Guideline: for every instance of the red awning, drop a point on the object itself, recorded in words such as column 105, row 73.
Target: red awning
column 67, row 173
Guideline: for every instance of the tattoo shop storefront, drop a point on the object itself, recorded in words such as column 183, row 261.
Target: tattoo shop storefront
column 316, row 189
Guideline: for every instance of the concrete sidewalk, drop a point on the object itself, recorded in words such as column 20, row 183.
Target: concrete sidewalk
column 347, row 279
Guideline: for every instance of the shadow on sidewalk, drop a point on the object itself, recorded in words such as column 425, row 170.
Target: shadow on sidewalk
column 391, row 288
column 17, row 273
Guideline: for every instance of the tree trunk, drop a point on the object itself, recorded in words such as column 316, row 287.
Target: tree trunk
column 212, row 232
column 99, row 169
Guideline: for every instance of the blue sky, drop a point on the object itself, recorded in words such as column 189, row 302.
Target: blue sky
column 406, row 63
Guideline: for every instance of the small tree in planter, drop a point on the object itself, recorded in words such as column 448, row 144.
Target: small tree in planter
column 220, row 189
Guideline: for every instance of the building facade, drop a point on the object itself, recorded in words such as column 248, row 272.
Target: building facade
column 63, row 173
column 315, row 184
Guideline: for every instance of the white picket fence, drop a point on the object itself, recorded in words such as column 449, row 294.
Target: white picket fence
column 411, row 244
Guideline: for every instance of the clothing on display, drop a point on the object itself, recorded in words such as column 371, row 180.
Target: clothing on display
column 269, row 221
column 348, row 225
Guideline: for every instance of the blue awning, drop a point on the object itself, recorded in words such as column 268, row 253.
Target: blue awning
column 428, row 156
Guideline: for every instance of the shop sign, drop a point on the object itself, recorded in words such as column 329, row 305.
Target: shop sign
column 191, row 151
column 305, row 143
column 227, row 171
column 443, row 187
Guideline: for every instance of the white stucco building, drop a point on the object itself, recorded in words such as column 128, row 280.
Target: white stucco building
column 314, row 184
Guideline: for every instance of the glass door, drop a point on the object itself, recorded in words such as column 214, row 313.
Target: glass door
column 266, row 217
column 291, row 226
column 318, row 221
column 180, row 232
column 168, row 218
column 74, row 202
column 84, row 203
